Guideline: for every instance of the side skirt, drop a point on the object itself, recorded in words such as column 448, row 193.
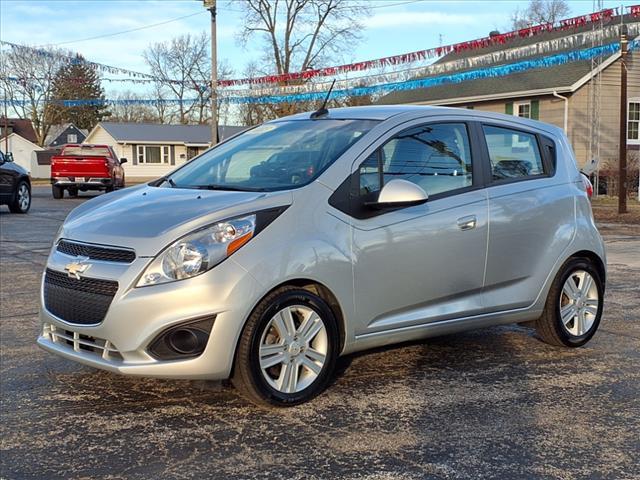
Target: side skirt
column 444, row 327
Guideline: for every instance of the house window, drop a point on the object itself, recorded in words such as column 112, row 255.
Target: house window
column 522, row 109
column 72, row 138
column 633, row 124
column 192, row 152
column 153, row 154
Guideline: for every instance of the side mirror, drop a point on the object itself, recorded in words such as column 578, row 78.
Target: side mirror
column 399, row 193
column 123, row 160
column 8, row 157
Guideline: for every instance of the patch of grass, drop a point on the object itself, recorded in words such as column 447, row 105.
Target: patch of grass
column 605, row 211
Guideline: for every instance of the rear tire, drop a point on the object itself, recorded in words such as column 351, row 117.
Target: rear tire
column 574, row 305
column 288, row 349
column 22, row 201
column 57, row 192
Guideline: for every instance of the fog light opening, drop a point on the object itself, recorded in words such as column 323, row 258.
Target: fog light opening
column 184, row 340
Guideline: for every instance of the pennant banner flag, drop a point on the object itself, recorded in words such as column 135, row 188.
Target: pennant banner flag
column 575, row 41
column 498, row 39
column 475, row 74
column 395, row 60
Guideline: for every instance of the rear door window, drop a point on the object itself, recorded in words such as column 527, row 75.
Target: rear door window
column 513, row 154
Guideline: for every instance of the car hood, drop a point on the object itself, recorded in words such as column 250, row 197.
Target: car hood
column 148, row 219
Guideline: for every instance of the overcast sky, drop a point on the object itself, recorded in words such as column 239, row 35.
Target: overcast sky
column 394, row 26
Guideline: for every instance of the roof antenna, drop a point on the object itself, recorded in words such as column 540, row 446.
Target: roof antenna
column 322, row 111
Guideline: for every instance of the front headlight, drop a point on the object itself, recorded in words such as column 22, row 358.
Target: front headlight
column 199, row 251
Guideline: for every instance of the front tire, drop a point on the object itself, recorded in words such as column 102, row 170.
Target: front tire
column 288, row 349
column 22, row 201
column 574, row 305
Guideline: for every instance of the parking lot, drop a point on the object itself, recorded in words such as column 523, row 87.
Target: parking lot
column 493, row 403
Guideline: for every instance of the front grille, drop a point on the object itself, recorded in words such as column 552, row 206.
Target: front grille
column 83, row 301
column 96, row 252
column 81, row 343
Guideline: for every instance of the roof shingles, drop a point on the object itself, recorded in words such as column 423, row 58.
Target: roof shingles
column 172, row 134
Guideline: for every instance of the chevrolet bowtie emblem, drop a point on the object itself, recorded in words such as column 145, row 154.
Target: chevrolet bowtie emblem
column 76, row 268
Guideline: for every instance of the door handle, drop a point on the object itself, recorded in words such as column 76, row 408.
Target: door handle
column 467, row 223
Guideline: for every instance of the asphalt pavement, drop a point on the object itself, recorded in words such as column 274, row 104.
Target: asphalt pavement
column 493, row 403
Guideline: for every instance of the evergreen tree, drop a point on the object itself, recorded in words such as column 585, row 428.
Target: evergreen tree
column 78, row 80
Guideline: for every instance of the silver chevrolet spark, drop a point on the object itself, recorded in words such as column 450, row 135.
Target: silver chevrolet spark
column 315, row 236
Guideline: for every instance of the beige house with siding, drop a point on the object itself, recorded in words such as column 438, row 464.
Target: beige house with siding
column 564, row 95
column 153, row 150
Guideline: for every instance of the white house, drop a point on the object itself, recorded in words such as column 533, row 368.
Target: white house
column 24, row 154
column 153, row 150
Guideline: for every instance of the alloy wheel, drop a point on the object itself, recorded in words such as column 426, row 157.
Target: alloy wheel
column 293, row 349
column 23, row 197
column 579, row 303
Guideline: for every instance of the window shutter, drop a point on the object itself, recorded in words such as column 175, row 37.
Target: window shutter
column 134, row 155
column 508, row 108
column 535, row 109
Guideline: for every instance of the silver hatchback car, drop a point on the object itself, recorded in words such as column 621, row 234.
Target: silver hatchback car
column 315, row 236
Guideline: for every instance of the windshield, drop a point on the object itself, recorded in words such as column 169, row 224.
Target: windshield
column 273, row 156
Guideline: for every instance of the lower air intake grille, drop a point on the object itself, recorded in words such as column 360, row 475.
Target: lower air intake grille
column 83, row 301
column 81, row 343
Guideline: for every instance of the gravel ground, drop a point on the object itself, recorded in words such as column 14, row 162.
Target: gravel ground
column 493, row 403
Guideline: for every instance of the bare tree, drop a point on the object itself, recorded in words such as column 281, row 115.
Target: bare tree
column 26, row 78
column 162, row 109
column 298, row 35
column 129, row 109
column 540, row 11
column 182, row 68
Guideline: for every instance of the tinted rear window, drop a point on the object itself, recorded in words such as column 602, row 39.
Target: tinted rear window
column 87, row 151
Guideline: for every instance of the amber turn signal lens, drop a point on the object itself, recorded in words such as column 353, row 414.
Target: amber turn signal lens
column 238, row 242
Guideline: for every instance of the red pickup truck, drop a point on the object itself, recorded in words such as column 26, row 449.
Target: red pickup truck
column 86, row 167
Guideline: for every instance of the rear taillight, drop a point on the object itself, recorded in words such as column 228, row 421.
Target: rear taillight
column 587, row 185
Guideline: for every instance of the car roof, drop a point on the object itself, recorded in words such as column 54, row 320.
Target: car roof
column 385, row 112
column 369, row 112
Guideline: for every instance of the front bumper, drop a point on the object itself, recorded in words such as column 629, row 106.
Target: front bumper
column 137, row 315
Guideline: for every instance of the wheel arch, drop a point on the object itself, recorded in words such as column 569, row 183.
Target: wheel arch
column 315, row 287
column 597, row 262
column 325, row 294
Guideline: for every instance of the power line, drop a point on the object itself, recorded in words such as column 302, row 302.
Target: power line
column 126, row 31
column 406, row 2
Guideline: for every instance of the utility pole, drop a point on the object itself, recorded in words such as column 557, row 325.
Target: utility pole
column 6, row 127
column 211, row 6
column 622, row 172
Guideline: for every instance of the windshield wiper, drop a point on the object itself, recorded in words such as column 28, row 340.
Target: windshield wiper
column 167, row 180
column 227, row 187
